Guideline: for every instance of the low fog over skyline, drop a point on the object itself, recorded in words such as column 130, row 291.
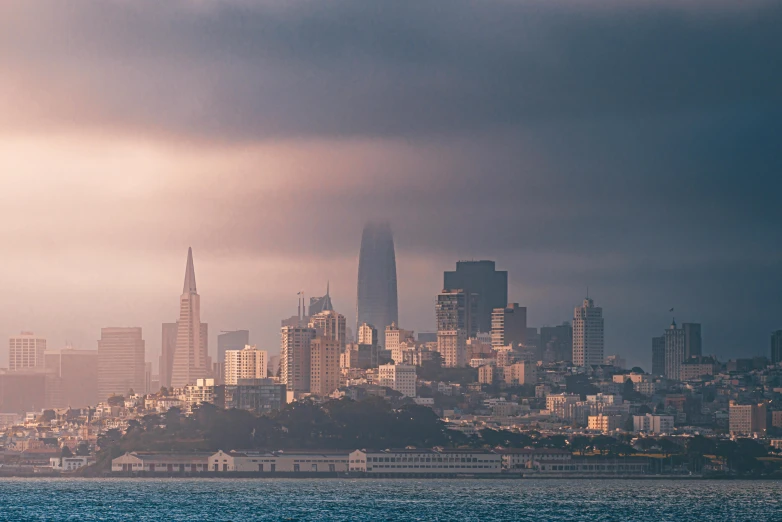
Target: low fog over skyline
column 631, row 149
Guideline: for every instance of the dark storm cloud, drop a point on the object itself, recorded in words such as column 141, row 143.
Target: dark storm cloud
column 629, row 147
column 353, row 68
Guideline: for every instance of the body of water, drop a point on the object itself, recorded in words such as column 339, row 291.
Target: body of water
column 388, row 500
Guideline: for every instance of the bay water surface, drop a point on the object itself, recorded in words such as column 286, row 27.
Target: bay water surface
column 388, row 500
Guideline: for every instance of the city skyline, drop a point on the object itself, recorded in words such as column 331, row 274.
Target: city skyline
column 595, row 170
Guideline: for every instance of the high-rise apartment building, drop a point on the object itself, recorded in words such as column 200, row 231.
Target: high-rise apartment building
column 367, row 334
column 324, row 366
column 452, row 346
column 399, row 377
column 329, row 324
column 233, row 340
column 658, row 355
column 120, row 362
column 776, row 347
column 680, row 344
column 77, row 375
column 247, row 363
column 489, row 285
column 167, row 349
column 26, row 351
column 295, row 354
column 191, row 356
column 509, row 325
column 556, row 342
column 377, row 296
column 588, row 344
column 395, row 336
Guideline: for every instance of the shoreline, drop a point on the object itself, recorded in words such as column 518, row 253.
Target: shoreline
column 349, row 476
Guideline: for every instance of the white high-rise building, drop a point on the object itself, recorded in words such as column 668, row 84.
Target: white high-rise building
column 399, row 377
column 394, row 337
column 248, row 363
column 26, row 351
column 191, row 360
column 367, row 334
column 452, row 346
column 588, row 334
column 295, row 353
column 121, row 363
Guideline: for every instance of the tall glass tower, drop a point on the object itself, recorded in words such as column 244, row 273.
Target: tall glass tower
column 377, row 299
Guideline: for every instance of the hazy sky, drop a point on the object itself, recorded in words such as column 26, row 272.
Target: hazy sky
column 634, row 149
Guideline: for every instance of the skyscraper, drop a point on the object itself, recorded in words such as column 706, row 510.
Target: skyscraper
column 235, row 340
column 77, row 373
column 191, row 359
column 556, row 342
column 295, row 354
column 376, row 303
column 321, row 304
column 776, row 347
column 588, row 334
column 167, row 349
column 120, row 362
column 490, row 286
column 658, row 355
column 680, row 344
column 456, row 309
column 509, row 325
column 26, row 351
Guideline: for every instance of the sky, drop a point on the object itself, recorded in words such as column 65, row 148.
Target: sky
column 631, row 148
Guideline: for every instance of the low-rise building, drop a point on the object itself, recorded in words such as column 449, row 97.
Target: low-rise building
column 604, row 423
column 746, row 419
column 279, row 462
column 68, row 463
column 138, row 462
column 525, row 458
column 425, row 462
column 650, row 423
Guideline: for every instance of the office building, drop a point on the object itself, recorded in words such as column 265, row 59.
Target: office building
column 395, row 337
column 604, row 423
column 455, row 310
column 77, row 375
column 329, row 324
column 367, row 334
column 658, row 355
column 231, row 340
column 680, row 344
column 121, row 365
column 321, row 304
column 376, row 303
column 247, row 363
column 191, row 360
column 399, row 377
column 776, row 347
column 167, row 349
column 25, row 351
column 490, row 286
column 295, row 353
column 256, row 395
column 324, row 366
column 556, row 342
column 747, row 419
column 23, row 390
column 588, row 334
column 509, row 326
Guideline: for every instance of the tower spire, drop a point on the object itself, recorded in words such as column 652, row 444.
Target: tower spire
column 190, row 280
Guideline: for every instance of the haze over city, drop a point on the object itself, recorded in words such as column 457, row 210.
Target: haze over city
column 549, row 138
